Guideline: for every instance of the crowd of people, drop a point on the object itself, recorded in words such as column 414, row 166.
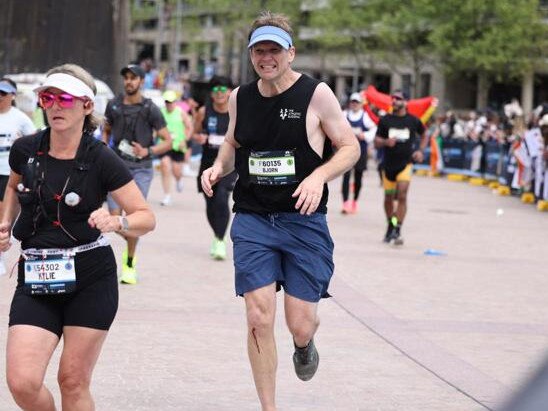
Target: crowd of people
column 507, row 147
column 275, row 143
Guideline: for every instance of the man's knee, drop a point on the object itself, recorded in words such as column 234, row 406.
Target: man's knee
column 303, row 329
column 260, row 319
column 24, row 386
column 73, row 383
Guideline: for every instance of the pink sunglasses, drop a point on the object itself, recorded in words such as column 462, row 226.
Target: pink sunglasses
column 64, row 100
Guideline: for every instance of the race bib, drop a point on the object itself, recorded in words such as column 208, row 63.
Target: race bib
column 357, row 130
column 6, row 141
column 126, row 148
column 272, row 167
column 53, row 274
column 400, row 134
column 215, row 140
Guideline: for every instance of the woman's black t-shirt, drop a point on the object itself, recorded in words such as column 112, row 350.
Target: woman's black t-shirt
column 104, row 172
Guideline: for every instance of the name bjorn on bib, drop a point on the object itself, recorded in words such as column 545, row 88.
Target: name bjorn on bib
column 272, row 167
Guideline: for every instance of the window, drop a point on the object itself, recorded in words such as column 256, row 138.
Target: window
column 426, row 79
column 406, row 84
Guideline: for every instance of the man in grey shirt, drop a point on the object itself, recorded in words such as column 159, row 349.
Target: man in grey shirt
column 130, row 122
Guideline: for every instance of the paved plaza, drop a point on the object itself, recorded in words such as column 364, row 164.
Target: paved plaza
column 404, row 331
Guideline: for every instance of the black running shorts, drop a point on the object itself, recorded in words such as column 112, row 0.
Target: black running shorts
column 93, row 304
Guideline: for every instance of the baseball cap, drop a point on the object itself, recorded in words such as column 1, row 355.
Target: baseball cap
column 7, row 87
column 356, row 97
column 67, row 83
column 170, row 96
column 399, row 94
column 135, row 69
column 271, row 33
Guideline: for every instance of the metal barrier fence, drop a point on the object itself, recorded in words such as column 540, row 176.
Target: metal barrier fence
column 486, row 162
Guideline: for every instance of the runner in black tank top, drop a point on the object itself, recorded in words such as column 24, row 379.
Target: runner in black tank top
column 211, row 124
column 276, row 140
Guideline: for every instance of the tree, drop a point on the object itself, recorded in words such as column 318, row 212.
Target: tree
column 402, row 32
column 339, row 27
column 236, row 20
column 497, row 39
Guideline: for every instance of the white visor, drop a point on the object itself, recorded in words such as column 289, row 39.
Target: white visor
column 67, row 83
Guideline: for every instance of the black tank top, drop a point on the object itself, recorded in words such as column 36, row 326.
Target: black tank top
column 272, row 131
column 214, row 123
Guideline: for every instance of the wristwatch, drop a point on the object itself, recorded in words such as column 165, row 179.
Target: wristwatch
column 149, row 152
column 124, row 224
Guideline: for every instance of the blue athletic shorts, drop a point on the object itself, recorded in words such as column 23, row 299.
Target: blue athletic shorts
column 293, row 250
column 143, row 179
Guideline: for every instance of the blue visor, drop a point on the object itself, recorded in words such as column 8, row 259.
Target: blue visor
column 271, row 33
column 7, row 87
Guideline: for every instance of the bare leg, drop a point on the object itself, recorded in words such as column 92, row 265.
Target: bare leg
column 401, row 210
column 261, row 345
column 165, row 168
column 302, row 319
column 177, row 169
column 81, row 350
column 28, row 353
column 131, row 246
column 389, row 205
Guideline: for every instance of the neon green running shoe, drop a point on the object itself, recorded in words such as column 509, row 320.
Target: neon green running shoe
column 219, row 251
column 129, row 275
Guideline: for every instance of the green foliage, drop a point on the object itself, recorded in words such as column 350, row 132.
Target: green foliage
column 342, row 25
column 500, row 38
column 237, row 17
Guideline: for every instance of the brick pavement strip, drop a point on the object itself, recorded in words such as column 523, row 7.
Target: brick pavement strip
column 404, row 331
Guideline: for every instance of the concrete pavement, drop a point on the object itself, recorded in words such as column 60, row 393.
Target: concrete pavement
column 404, row 331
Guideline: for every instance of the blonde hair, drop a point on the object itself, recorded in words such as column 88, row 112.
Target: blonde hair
column 267, row 18
column 92, row 121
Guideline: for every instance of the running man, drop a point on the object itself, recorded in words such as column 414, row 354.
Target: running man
column 179, row 126
column 211, row 124
column 397, row 135
column 279, row 139
column 130, row 121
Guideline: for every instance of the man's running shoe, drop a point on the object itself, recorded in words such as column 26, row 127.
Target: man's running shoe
column 396, row 236
column 306, row 361
column 219, row 250
column 354, row 207
column 389, row 233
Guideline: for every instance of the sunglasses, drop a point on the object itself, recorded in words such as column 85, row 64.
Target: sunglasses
column 222, row 89
column 3, row 93
column 64, row 100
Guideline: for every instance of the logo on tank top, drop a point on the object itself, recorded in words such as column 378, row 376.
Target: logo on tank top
column 289, row 113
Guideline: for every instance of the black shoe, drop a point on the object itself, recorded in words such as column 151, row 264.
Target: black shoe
column 396, row 236
column 306, row 361
column 389, row 233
